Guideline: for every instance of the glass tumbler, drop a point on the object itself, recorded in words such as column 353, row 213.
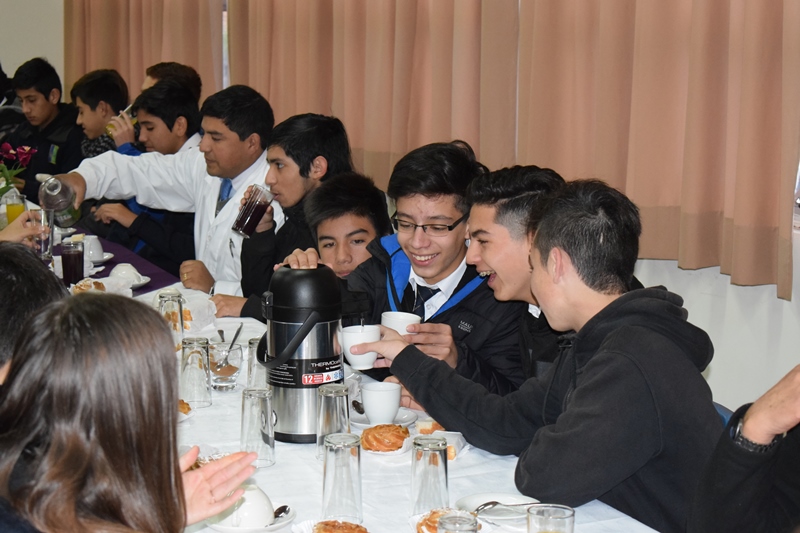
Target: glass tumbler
column 550, row 518
column 258, row 434
column 256, row 372
column 341, row 478
column 458, row 522
column 333, row 415
column 429, row 475
column 195, row 381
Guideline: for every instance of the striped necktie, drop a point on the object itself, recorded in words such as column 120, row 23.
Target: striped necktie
column 423, row 295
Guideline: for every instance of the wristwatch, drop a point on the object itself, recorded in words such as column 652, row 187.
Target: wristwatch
column 743, row 442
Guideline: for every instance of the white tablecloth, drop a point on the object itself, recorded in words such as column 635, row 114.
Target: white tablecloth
column 296, row 477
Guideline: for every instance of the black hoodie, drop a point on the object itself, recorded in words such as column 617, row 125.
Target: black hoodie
column 623, row 416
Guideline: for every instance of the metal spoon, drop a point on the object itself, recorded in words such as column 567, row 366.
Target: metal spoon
column 282, row 511
column 357, row 407
column 221, row 335
column 491, row 505
column 224, row 362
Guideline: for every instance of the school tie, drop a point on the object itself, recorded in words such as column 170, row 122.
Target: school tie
column 225, row 189
column 423, row 295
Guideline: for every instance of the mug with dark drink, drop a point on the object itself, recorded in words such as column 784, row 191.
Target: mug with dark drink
column 253, row 210
column 72, row 262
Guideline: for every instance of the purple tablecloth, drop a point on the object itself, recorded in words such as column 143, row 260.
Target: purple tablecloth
column 158, row 278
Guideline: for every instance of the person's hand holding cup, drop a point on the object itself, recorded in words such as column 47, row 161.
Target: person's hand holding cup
column 353, row 335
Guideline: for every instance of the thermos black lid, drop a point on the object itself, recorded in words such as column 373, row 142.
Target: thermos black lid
column 295, row 293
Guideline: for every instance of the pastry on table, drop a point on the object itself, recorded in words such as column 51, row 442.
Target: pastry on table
column 428, row 426
column 184, row 407
column 335, row 526
column 384, row 438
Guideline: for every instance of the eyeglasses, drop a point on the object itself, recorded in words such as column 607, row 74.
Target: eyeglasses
column 433, row 230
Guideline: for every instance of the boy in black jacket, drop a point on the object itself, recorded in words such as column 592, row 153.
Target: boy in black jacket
column 50, row 128
column 462, row 323
column 624, row 414
column 303, row 151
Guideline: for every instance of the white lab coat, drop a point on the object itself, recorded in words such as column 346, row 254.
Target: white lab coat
column 179, row 182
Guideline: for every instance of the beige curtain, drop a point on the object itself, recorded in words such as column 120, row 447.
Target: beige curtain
column 398, row 73
column 131, row 35
column 689, row 106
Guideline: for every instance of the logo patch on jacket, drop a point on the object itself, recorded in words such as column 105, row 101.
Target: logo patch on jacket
column 53, row 154
column 463, row 326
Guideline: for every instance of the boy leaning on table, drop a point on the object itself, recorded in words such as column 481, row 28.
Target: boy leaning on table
column 623, row 415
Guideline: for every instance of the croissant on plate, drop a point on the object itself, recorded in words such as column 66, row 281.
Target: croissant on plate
column 384, row 438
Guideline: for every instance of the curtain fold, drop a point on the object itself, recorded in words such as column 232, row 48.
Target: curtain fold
column 131, row 35
column 399, row 74
column 690, row 107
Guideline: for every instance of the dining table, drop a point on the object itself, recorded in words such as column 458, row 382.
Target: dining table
column 158, row 278
column 296, row 477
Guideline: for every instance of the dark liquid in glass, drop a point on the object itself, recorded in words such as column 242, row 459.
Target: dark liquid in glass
column 249, row 217
column 72, row 263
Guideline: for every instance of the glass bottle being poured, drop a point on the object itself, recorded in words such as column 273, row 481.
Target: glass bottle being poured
column 59, row 197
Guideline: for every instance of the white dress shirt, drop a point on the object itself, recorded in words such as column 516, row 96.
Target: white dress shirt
column 179, row 182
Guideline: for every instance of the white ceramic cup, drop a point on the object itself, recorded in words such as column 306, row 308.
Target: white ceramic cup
column 381, row 401
column 352, row 335
column 253, row 510
column 127, row 270
column 92, row 248
column 398, row 321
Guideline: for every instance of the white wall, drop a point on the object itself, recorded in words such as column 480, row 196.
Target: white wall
column 756, row 336
column 31, row 28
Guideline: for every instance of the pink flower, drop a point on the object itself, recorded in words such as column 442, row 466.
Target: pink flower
column 24, row 154
column 7, row 152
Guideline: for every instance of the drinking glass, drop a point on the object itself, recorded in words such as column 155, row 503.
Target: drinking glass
column 195, row 383
column 43, row 218
column 256, row 372
column 252, row 211
column 550, row 518
column 341, row 478
column 226, row 363
column 258, row 433
column 429, row 475
column 458, row 522
column 171, row 308
column 15, row 205
column 333, row 414
column 72, row 262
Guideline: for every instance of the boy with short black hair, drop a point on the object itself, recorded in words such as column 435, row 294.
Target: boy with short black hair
column 345, row 214
column 50, row 128
column 422, row 270
column 304, row 150
column 170, row 120
column 99, row 95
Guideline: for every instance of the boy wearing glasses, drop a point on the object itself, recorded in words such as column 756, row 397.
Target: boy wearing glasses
column 422, row 270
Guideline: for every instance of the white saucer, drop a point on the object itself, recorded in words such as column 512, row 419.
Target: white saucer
column 405, row 417
column 65, row 231
column 145, row 281
column 469, row 503
column 106, row 257
column 280, row 523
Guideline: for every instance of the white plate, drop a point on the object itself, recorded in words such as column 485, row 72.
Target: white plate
column 405, row 417
column 106, row 257
column 280, row 523
column 65, row 231
column 469, row 503
column 145, row 281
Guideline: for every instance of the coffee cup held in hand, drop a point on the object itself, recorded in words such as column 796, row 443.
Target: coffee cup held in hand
column 353, row 335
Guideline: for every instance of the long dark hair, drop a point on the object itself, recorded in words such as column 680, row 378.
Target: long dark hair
column 88, row 419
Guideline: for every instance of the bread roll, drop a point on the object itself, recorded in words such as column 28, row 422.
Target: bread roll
column 384, row 438
column 334, row 526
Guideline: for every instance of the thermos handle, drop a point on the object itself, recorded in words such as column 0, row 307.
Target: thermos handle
column 291, row 346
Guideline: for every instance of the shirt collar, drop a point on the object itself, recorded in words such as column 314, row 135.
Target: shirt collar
column 447, row 286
